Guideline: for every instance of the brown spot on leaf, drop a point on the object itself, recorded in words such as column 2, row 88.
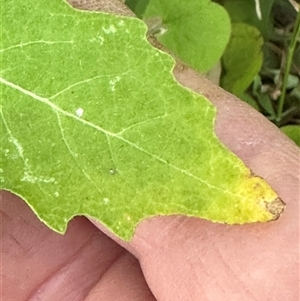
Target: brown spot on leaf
column 275, row 207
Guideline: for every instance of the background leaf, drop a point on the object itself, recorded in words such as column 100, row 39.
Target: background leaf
column 138, row 7
column 244, row 11
column 242, row 58
column 197, row 32
column 293, row 132
column 93, row 123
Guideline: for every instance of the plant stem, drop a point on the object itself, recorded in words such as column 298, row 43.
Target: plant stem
column 290, row 53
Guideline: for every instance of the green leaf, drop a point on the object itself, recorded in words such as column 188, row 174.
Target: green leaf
column 263, row 99
column 93, row 123
column 138, row 7
column 197, row 32
column 245, row 11
column 242, row 58
column 267, row 104
column 293, row 132
column 250, row 101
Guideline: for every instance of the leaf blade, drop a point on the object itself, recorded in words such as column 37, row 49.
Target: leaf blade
column 88, row 140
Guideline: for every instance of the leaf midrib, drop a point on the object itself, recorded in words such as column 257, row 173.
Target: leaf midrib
column 106, row 132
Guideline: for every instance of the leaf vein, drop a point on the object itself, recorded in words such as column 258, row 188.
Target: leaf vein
column 84, row 82
column 28, row 175
column 73, row 154
column 111, row 134
column 35, row 42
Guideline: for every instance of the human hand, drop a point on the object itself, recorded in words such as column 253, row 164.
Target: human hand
column 180, row 258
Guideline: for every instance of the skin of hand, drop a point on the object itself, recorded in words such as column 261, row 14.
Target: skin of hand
column 170, row 258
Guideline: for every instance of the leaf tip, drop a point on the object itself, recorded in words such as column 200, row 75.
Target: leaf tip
column 275, row 207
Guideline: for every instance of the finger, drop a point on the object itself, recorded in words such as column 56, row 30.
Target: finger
column 124, row 282
column 39, row 264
